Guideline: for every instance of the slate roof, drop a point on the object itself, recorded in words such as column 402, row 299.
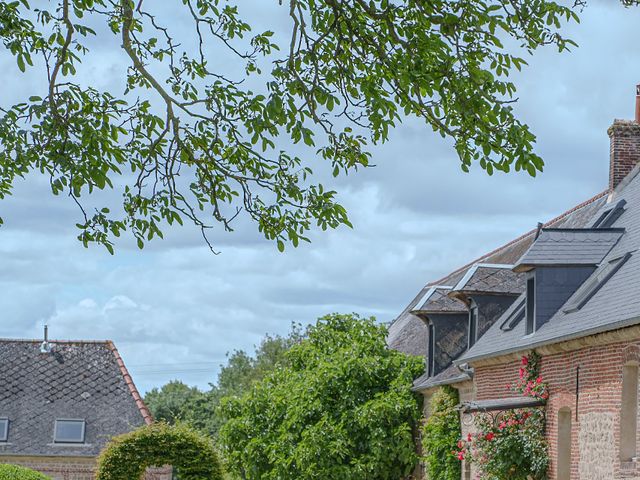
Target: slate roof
column 77, row 380
column 450, row 375
column 408, row 333
column 615, row 305
column 491, row 278
column 438, row 300
column 559, row 246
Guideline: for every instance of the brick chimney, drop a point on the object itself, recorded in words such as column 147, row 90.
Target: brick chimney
column 625, row 146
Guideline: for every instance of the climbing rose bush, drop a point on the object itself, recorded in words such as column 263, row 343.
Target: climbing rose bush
column 512, row 446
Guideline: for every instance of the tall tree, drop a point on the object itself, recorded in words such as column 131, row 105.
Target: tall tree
column 178, row 402
column 186, row 138
column 340, row 406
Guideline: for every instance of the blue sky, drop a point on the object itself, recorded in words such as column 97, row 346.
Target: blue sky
column 174, row 309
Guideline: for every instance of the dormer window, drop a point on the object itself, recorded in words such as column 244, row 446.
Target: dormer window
column 531, row 305
column 609, row 217
column 4, row 429
column 473, row 324
column 432, row 348
column 595, row 283
column 69, row 431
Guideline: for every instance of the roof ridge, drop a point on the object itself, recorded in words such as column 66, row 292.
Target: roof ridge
column 40, row 340
column 144, row 410
column 523, row 236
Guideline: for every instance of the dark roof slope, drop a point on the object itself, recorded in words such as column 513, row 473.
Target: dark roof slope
column 438, row 300
column 77, row 380
column 615, row 305
column 559, row 246
column 408, row 333
column 447, row 377
column 491, row 278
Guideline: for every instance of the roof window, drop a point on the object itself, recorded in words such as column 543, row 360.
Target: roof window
column 609, row 217
column 517, row 314
column 595, row 283
column 69, row 431
column 4, row 429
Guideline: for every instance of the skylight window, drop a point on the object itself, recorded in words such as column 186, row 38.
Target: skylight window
column 531, row 306
column 595, row 283
column 473, row 325
column 609, row 217
column 4, row 429
column 69, row 431
column 516, row 316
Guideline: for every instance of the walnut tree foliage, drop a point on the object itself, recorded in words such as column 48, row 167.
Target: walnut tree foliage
column 340, row 406
column 190, row 137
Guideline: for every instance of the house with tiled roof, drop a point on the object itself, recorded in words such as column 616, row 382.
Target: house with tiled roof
column 568, row 290
column 61, row 402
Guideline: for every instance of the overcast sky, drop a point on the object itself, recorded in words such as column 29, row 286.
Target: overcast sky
column 174, row 309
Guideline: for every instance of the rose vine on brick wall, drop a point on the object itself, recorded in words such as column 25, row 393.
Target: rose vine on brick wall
column 512, row 446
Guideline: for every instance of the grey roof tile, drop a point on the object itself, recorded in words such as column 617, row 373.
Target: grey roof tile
column 79, row 380
column 569, row 247
column 448, row 376
column 616, row 304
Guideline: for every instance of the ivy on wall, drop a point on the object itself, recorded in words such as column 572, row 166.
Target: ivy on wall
column 14, row 472
column 440, row 436
column 191, row 454
column 513, row 447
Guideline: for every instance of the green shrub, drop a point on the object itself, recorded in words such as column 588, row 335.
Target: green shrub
column 13, row 472
column 191, row 454
column 440, row 435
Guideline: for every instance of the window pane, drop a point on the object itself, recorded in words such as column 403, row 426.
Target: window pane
column 4, row 429
column 70, row 431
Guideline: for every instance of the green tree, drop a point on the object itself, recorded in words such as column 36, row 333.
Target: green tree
column 178, row 402
column 174, row 402
column 440, row 436
column 228, row 121
column 341, row 406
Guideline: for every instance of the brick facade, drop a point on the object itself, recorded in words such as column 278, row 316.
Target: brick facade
column 624, row 150
column 73, row 468
column 595, row 409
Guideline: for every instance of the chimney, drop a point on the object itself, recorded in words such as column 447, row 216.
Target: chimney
column 45, row 347
column 625, row 146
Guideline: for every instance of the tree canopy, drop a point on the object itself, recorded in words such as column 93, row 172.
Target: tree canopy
column 341, row 406
column 227, row 120
column 15, row 472
column 176, row 402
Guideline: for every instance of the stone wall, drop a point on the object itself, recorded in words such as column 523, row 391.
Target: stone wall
column 73, row 468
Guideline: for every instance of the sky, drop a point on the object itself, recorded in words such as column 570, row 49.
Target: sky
column 175, row 310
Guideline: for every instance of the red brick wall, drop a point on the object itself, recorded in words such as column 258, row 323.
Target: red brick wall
column 597, row 427
column 72, row 468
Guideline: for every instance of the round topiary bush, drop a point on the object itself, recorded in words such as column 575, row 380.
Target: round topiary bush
column 191, row 454
column 14, row 472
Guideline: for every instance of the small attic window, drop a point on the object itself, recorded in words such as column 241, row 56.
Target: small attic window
column 531, row 305
column 516, row 316
column 4, row 429
column 473, row 325
column 595, row 283
column 69, row 431
column 609, row 217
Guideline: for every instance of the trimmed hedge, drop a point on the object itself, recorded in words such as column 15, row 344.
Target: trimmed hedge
column 14, row 472
column 191, row 454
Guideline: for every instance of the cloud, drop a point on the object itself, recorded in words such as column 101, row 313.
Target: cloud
column 174, row 309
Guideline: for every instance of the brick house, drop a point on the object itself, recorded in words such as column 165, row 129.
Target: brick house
column 61, row 401
column 570, row 290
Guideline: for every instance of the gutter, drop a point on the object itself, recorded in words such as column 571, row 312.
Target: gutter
column 573, row 336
